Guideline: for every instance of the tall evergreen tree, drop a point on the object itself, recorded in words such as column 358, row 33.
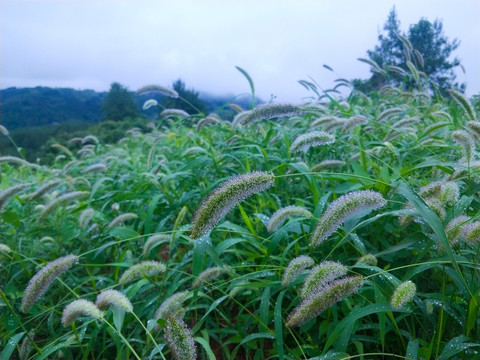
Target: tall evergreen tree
column 425, row 46
column 187, row 100
column 119, row 103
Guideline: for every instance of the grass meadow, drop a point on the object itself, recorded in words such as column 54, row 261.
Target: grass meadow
column 324, row 230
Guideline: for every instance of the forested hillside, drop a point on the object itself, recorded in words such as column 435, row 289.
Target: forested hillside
column 39, row 106
column 38, row 117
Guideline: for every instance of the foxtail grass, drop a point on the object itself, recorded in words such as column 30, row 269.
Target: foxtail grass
column 79, row 308
column 158, row 89
column 62, row 200
column 225, row 197
column 42, row 280
column 344, row 208
column 279, row 217
column 311, row 139
column 115, row 298
column 8, row 193
column 180, row 339
column 322, row 299
column 141, row 269
column 295, row 267
column 403, row 294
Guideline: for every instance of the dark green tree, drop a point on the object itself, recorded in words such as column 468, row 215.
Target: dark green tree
column 119, row 103
column 187, row 100
column 433, row 45
column 425, row 46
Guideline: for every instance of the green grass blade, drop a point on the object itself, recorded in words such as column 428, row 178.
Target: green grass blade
column 277, row 316
column 10, row 347
column 206, row 347
column 250, row 82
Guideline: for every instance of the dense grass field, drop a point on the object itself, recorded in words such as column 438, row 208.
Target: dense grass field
column 324, row 230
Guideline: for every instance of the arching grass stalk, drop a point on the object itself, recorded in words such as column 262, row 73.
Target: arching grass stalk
column 125, row 341
column 149, row 334
column 19, row 321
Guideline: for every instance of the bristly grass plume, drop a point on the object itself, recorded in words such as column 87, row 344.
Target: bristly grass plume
column 279, row 216
column 144, row 268
column 225, row 197
column 208, row 275
column 122, row 218
column 180, row 339
column 322, row 299
column 113, row 298
column 344, row 208
column 311, row 139
column 158, row 89
column 78, row 308
column 6, row 194
column 295, row 267
column 40, row 283
column 270, row 111
column 171, row 306
column 403, row 294
column 321, row 275
column 61, row 200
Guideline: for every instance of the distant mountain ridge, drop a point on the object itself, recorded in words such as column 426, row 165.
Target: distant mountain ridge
column 41, row 106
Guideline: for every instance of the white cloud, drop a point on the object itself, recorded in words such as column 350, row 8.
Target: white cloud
column 90, row 44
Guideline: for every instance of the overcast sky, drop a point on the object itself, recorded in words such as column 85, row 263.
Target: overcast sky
column 88, row 44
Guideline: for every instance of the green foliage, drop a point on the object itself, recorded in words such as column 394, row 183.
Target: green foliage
column 119, row 103
column 394, row 201
column 40, row 106
column 188, row 100
column 423, row 51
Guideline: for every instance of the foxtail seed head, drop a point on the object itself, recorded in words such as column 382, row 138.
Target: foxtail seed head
column 180, row 339
column 3, row 130
column 456, row 228
column 353, row 121
column 368, row 259
column 472, row 232
column 78, row 308
column 6, row 194
column 269, row 111
column 114, row 298
column 465, row 140
column 474, row 127
column 225, row 197
column 344, row 208
column 120, row 219
column 4, row 249
column 26, row 346
column 322, row 299
column 171, row 306
column 311, row 139
column 461, row 100
column 328, row 164
column 174, row 113
column 321, row 275
column 39, row 284
column 295, row 267
column 149, row 103
column 66, row 198
column 403, row 294
column 85, row 217
column 18, row 161
column 149, row 268
column 158, row 89
column 95, row 168
column 279, row 216
column 155, row 240
column 44, row 189
column 207, row 275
